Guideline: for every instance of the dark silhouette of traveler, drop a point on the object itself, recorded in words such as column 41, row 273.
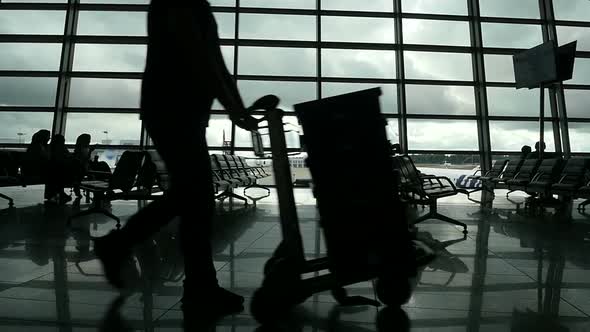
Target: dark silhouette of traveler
column 525, row 151
column 37, row 156
column 184, row 73
column 100, row 167
column 536, row 154
column 61, row 171
column 81, row 155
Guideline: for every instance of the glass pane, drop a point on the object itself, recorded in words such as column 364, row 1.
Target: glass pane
column 580, row 137
column 299, row 4
column 32, row 22
column 358, row 29
column 434, row 32
column 512, row 102
column 449, row 165
column 19, row 127
column 244, row 139
column 110, row 156
column 277, row 61
column 572, row 10
column 226, row 24
column 112, row 23
column 510, row 8
column 228, row 57
column 284, row 27
column 581, row 72
column 290, row 93
column 499, row 68
column 106, row 57
column 434, row 99
column 226, row 3
column 358, row 63
column 28, row 91
column 388, row 97
column 438, row 66
column 18, row 56
column 95, row 92
column 219, row 129
column 512, row 135
column 569, row 34
column 373, row 5
column 577, row 102
column 108, row 129
column 511, row 35
column 451, row 7
column 392, row 130
column 442, row 135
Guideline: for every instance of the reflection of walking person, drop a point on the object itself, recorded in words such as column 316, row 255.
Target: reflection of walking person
column 184, row 73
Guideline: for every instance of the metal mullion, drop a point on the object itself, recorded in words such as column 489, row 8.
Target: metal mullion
column 31, row 39
column 127, row 40
column 576, row 87
column 277, row 78
column 33, row 6
column 106, row 75
column 510, row 20
column 401, row 76
column 319, row 88
column 579, row 120
column 29, row 73
column 436, row 48
column 479, row 77
column 501, row 85
column 513, row 118
column 277, row 11
column 438, row 82
column 441, row 117
column 16, row 109
column 556, row 93
column 102, row 110
column 359, row 80
column 232, row 144
column 66, row 64
column 114, row 7
column 582, row 54
column 581, row 24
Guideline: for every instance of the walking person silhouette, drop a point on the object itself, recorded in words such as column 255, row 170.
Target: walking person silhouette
column 184, row 73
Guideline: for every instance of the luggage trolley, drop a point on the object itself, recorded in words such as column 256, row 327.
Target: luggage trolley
column 363, row 221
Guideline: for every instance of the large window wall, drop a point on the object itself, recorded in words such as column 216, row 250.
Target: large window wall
column 445, row 68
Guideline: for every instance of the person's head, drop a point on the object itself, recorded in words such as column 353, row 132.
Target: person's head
column 41, row 137
column 526, row 150
column 538, row 144
column 83, row 141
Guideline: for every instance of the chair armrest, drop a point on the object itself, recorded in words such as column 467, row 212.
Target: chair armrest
column 99, row 173
column 537, row 176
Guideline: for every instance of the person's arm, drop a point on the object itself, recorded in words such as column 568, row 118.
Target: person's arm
column 202, row 43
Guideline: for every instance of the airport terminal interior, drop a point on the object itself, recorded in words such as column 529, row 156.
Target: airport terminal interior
column 487, row 149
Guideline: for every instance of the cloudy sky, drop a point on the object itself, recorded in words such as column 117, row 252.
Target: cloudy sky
column 423, row 134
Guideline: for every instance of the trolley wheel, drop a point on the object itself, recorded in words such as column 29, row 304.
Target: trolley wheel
column 393, row 291
column 465, row 231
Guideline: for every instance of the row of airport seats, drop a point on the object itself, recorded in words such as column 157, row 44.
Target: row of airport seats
column 140, row 175
column 418, row 188
column 12, row 164
column 543, row 178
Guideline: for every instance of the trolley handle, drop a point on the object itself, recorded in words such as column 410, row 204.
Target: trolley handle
column 267, row 103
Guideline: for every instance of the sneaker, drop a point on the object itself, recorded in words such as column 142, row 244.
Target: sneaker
column 117, row 261
column 218, row 303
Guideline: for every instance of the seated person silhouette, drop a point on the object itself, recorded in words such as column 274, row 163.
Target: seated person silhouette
column 60, row 172
column 184, row 73
column 82, row 151
column 37, row 155
column 537, row 153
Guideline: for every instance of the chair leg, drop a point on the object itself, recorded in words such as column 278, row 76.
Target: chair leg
column 582, row 206
column 433, row 214
column 10, row 200
column 231, row 194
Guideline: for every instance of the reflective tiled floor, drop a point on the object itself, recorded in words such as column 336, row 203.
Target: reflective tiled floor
column 513, row 272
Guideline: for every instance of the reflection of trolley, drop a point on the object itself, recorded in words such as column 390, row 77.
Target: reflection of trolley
column 363, row 223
